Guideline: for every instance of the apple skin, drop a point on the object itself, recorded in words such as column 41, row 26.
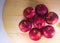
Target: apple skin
column 35, row 34
column 29, row 12
column 48, row 31
column 41, row 9
column 25, row 25
column 51, row 18
column 39, row 22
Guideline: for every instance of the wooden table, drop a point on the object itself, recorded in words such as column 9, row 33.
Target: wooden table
column 13, row 14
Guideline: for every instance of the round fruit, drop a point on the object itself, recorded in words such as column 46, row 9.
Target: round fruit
column 41, row 9
column 39, row 22
column 35, row 34
column 51, row 18
column 48, row 31
column 29, row 12
column 25, row 25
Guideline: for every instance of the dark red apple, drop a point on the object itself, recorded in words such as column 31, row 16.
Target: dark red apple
column 48, row 31
column 35, row 34
column 29, row 12
column 25, row 25
column 41, row 9
column 51, row 18
column 39, row 22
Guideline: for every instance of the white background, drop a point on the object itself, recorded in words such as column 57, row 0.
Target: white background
column 3, row 35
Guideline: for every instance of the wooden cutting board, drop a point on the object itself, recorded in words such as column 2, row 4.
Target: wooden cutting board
column 13, row 14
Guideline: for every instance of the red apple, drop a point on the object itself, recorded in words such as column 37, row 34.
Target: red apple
column 41, row 9
column 39, row 22
column 29, row 12
column 48, row 31
column 51, row 18
column 25, row 25
column 35, row 34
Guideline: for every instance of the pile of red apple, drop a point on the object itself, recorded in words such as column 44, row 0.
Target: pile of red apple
column 35, row 22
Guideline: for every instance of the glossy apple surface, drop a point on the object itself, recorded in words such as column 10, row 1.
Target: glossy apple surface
column 51, row 18
column 41, row 9
column 25, row 25
column 39, row 22
column 48, row 31
column 35, row 34
column 29, row 12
